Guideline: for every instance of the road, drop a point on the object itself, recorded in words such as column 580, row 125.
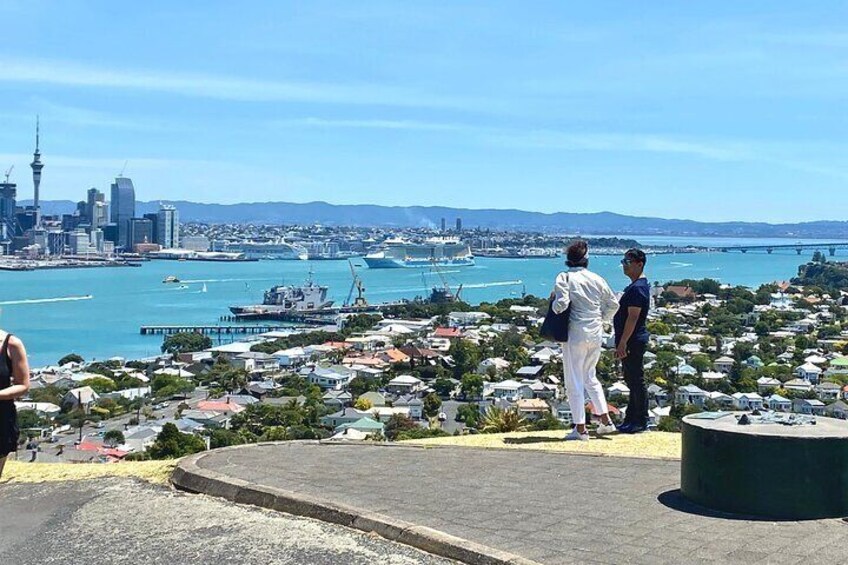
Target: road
column 125, row 521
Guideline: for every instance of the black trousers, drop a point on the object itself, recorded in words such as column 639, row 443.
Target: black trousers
column 634, row 377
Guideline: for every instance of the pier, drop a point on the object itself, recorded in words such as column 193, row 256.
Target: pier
column 798, row 247
column 213, row 330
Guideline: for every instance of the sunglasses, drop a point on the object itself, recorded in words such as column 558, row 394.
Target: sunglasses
column 626, row 261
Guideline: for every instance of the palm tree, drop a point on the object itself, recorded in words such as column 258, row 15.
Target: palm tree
column 498, row 420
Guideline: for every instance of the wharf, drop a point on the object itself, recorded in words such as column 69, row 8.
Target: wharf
column 213, row 330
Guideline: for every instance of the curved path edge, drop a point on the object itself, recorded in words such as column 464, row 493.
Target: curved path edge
column 189, row 476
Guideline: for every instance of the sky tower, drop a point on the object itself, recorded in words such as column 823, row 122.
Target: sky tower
column 36, row 165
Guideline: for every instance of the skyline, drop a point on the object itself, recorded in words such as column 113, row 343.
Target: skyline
column 662, row 111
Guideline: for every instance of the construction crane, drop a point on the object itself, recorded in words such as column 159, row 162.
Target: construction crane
column 360, row 301
column 445, row 294
column 124, row 168
column 9, row 173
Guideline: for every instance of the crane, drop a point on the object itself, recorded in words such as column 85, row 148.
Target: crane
column 9, row 173
column 360, row 289
column 124, row 168
column 446, row 295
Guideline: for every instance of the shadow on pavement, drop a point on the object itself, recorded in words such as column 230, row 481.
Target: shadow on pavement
column 675, row 500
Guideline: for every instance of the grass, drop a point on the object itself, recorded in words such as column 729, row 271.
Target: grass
column 157, row 472
column 651, row 445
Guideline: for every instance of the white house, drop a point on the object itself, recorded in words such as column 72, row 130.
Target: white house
column 544, row 356
column 798, row 385
column 497, row 363
column 778, row 403
column 765, row 384
column 713, row 376
column 404, row 384
column 456, row 319
column 508, row 389
column 291, row 357
column 83, row 397
column 808, row 372
column 690, row 394
column 828, row 391
column 335, row 378
column 723, row 364
column 747, row 401
column 724, row 401
column 618, row 389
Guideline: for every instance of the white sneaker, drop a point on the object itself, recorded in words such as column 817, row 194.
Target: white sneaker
column 604, row 429
column 576, row 436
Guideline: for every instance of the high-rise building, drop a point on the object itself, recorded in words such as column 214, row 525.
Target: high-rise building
column 154, row 221
column 36, row 165
column 123, row 209
column 458, row 225
column 444, row 225
column 8, row 202
column 168, row 227
column 96, row 209
column 140, row 231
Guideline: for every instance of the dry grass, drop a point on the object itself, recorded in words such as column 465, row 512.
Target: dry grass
column 157, row 472
column 652, row 445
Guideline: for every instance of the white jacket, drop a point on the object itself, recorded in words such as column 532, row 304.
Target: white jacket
column 592, row 303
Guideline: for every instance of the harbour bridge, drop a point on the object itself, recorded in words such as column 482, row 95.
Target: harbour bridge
column 798, row 247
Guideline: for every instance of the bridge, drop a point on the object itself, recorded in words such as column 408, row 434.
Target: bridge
column 798, row 247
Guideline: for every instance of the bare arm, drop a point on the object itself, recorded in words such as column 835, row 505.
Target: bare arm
column 20, row 371
column 561, row 296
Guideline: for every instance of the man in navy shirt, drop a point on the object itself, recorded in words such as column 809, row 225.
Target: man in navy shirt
column 631, row 339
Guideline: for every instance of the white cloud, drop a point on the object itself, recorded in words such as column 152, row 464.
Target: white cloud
column 370, row 124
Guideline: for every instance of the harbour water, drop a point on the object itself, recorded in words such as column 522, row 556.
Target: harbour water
column 98, row 312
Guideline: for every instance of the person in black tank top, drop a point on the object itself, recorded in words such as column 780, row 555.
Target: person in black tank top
column 14, row 383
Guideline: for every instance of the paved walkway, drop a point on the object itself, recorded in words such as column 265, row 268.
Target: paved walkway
column 128, row 522
column 547, row 507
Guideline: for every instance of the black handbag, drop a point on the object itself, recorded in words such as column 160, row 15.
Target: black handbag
column 555, row 326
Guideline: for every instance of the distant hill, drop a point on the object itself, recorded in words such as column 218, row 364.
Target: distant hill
column 423, row 216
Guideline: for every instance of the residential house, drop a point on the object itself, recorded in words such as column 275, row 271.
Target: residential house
column 828, row 391
column 747, row 401
column 544, row 356
column 532, row 408
column 404, row 384
column 291, row 357
column 82, row 397
column 240, row 399
column 618, row 389
column 337, row 399
column 798, row 385
column 208, row 418
column 529, row 371
column 509, row 389
column 808, row 372
column 837, row 409
column 723, row 364
column 807, row 406
column 496, row 364
column 467, row 318
column 724, row 401
column 374, row 398
column 690, row 394
column 754, row 362
column 220, row 406
column 713, row 376
column 412, row 403
column 766, row 384
column 255, row 361
column 365, row 425
column 335, row 378
column 778, row 403
column 657, row 394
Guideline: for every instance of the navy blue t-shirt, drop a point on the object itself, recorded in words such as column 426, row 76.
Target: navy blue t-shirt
column 637, row 293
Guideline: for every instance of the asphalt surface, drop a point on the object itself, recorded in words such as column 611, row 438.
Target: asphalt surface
column 125, row 521
column 548, row 507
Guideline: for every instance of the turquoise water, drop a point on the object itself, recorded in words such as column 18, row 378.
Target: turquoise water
column 40, row 306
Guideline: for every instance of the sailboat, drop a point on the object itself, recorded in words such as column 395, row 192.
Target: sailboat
column 204, row 288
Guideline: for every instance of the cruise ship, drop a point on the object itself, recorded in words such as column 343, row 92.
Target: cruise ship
column 278, row 249
column 442, row 252
column 282, row 299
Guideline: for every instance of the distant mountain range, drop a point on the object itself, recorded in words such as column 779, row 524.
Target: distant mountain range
column 430, row 216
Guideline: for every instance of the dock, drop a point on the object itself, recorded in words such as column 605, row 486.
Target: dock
column 214, row 330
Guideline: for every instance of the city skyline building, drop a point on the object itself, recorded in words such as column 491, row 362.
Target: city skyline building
column 123, row 209
column 37, row 165
column 96, row 209
column 8, row 208
column 168, row 227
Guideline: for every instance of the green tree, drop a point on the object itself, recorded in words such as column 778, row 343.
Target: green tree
column 432, row 405
column 700, row 362
column 186, row 342
column 472, row 385
column 223, row 438
column 397, row 424
column 465, row 355
column 468, row 414
column 100, row 385
column 114, row 437
column 30, row 419
column 70, row 358
column 171, row 443
column 363, row 404
column 49, row 393
column 167, row 386
column 443, row 387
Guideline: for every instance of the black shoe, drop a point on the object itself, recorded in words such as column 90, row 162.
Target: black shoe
column 625, row 427
column 635, row 429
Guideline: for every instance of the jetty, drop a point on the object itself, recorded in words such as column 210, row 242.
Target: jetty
column 214, row 329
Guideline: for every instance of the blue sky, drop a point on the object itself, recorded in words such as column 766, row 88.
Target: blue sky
column 708, row 111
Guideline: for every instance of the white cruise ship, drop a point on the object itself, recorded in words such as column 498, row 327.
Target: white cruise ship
column 442, row 252
column 278, row 249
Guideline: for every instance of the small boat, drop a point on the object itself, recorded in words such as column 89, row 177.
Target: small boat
column 182, row 287
column 170, row 279
column 204, row 288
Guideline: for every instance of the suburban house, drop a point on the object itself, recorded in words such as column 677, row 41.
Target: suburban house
column 747, row 401
column 618, row 389
column 508, row 389
column 532, row 408
column 713, row 376
column 724, row 401
column 778, row 403
column 414, row 404
column 335, row 378
column 807, row 406
column 690, row 394
column 838, row 409
column 375, row 398
column 83, row 397
column 337, row 399
column 291, row 357
column 657, row 394
column 808, row 372
column 798, row 385
column 497, row 364
column 765, row 384
column 404, row 384
column 828, row 391
column 364, row 425
column 723, row 364
column 544, row 356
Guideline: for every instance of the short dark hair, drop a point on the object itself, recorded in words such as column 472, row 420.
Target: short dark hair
column 575, row 254
column 636, row 255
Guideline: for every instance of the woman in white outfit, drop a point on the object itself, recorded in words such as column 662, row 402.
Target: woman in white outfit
column 592, row 303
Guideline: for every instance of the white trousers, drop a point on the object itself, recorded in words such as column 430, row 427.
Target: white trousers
column 579, row 361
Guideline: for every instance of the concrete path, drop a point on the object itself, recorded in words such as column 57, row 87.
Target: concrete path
column 124, row 521
column 546, row 507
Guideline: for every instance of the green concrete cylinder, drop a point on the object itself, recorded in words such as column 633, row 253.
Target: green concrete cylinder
column 768, row 470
